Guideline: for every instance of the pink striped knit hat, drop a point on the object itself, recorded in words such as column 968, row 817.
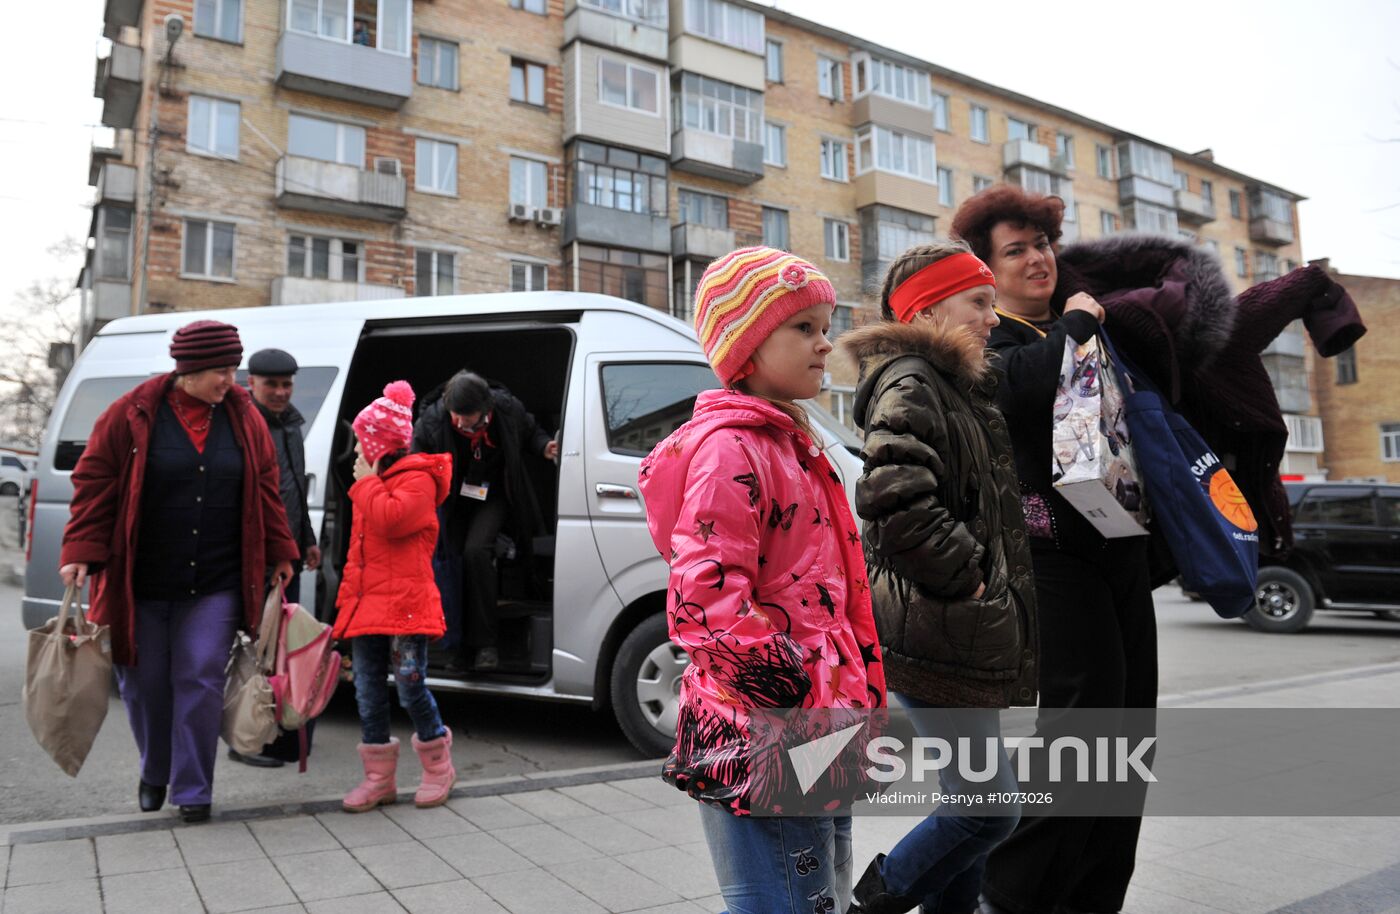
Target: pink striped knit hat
column 386, row 425
column 744, row 296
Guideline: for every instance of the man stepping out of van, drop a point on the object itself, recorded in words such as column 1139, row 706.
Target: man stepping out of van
column 271, row 379
column 488, row 432
column 388, row 601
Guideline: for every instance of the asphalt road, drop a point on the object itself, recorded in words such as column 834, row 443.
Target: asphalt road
column 502, row 737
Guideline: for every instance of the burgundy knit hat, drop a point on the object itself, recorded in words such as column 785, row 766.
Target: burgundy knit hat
column 386, row 425
column 205, row 344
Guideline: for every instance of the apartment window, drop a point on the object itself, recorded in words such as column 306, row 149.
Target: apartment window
column 213, row 127
column 725, row 23
column 437, row 63
column 1103, row 160
column 434, row 273
column 945, row 186
column 775, row 228
column 834, row 160
column 1207, row 191
column 651, row 12
column 435, row 167
column 899, row 230
column 538, row 7
column 1181, row 180
column 1270, row 205
column 329, row 141
column 1108, row 222
column 1148, row 217
column 891, row 80
column 1241, row 263
column 837, row 235
column 315, row 257
column 208, row 249
column 1236, row 204
column 527, row 82
column 774, row 144
column 628, row 86
column 1265, row 266
column 719, row 107
column 387, row 27
column 1017, row 129
column 773, row 62
column 900, row 153
column 1064, row 148
column 528, row 277
column 114, row 243
column 1305, row 435
column 528, row 180
column 619, row 179
column 221, row 19
column 631, row 275
column 842, row 319
column 940, row 111
column 709, row 210
column 1151, row 162
column 979, row 123
column 980, row 183
column 1346, row 366
column 829, row 82
column 1390, row 442
column 1289, row 266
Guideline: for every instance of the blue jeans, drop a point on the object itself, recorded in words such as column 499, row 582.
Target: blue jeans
column 409, row 656
column 782, row 865
column 941, row 861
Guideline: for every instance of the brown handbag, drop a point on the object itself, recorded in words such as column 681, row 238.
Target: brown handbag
column 67, row 683
column 250, row 714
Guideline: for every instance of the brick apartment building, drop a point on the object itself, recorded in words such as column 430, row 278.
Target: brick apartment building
column 281, row 153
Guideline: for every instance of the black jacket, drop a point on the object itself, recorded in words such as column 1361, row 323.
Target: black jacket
column 286, row 431
column 513, row 430
column 942, row 516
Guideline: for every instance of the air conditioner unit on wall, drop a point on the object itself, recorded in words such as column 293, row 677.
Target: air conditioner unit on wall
column 548, row 215
column 387, row 166
column 520, row 212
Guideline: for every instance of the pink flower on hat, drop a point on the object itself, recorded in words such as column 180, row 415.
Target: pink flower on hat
column 793, row 277
column 386, row 425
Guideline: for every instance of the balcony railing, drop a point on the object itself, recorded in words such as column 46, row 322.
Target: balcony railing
column 345, row 70
column 715, row 156
column 294, row 290
column 118, row 84
column 329, row 187
column 1023, row 152
column 592, row 224
column 605, row 28
column 1270, row 231
column 1137, row 187
column 116, row 183
column 1194, row 208
column 700, row 241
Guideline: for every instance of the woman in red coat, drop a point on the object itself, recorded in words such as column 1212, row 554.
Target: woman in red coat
column 176, row 516
column 388, row 601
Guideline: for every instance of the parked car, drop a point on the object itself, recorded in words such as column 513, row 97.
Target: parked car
column 15, row 471
column 583, row 610
column 1346, row 556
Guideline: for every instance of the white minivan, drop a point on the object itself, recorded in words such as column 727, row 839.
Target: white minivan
column 582, row 609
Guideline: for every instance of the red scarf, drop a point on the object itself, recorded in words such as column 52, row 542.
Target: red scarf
column 478, row 436
column 194, row 415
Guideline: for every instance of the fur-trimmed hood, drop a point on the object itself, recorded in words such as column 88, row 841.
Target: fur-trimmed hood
column 1205, row 313
column 953, row 350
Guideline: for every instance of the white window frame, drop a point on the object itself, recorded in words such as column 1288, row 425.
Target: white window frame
column 981, row 183
column 342, row 130
column 214, row 105
column 940, row 103
column 945, row 186
column 528, row 198
column 1064, row 148
column 751, row 115
column 349, row 14
column 1030, row 131
column 830, row 81
column 836, row 240
column 773, row 52
column 875, row 75
column 534, row 7
column 106, row 233
column 626, row 9
column 733, row 23
column 527, row 269
column 525, row 66
column 1304, row 433
column 1108, row 222
column 1105, row 161
column 1241, row 263
column 770, row 156
column 218, row 16
column 630, row 69
column 434, row 255
column 1390, row 441
column 838, row 156
column 787, row 226
column 427, row 42
column 335, row 264
column 848, row 318
column 909, row 145
column 207, row 274
column 979, row 114
column 435, row 149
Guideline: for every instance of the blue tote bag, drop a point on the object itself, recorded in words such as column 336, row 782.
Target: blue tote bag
column 1198, row 508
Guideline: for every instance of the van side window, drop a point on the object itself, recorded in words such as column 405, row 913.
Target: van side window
column 1338, row 508
column 90, row 399
column 644, row 402
column 312, row 383
column 1390, row 510
column 11, row 462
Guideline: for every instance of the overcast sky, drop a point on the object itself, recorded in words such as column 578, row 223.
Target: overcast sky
column 1301, row 94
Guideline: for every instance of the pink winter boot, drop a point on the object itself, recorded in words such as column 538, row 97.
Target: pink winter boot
column 438, row 773
column 379, row 787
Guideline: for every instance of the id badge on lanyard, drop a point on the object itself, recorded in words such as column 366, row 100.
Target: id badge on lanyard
column 476, row 493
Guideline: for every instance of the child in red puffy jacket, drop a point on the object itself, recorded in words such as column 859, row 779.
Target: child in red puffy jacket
column 388, row 601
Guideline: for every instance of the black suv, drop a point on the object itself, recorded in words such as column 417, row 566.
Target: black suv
column 1346, row 556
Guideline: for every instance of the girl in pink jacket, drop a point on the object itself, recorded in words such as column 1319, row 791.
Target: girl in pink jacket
column 768, row 592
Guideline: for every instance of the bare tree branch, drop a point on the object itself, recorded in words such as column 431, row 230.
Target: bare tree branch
column 43, row 315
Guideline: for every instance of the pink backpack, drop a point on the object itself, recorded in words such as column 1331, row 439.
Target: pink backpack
column 305, row 672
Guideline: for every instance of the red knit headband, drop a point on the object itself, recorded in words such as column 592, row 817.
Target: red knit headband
column 936, row 282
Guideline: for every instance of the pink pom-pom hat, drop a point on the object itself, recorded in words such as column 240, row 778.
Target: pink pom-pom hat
column 386, row 425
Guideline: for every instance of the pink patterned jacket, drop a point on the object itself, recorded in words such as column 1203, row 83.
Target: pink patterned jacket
column 768, row 592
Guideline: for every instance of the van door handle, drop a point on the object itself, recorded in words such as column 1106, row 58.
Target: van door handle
column 605, row 490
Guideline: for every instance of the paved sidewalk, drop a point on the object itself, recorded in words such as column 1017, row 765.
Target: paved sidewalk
column 619, row 840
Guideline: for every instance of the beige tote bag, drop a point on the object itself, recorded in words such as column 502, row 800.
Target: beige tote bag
column 250, row 715
column 67, row 683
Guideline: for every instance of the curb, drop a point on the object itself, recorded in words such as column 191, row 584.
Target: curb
column 69, row 829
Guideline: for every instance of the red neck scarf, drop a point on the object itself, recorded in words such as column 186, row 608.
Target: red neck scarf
column 194, row 415
column 477, row 436
column 938, row 281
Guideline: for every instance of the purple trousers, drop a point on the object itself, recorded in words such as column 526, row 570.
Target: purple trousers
column 175, row 694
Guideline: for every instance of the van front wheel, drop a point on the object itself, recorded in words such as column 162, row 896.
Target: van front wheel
column 646, row 685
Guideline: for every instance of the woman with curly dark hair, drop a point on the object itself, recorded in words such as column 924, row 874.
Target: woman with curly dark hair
column 1097, row 628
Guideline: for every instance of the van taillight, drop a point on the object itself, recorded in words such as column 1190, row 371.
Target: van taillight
column 29, row 522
